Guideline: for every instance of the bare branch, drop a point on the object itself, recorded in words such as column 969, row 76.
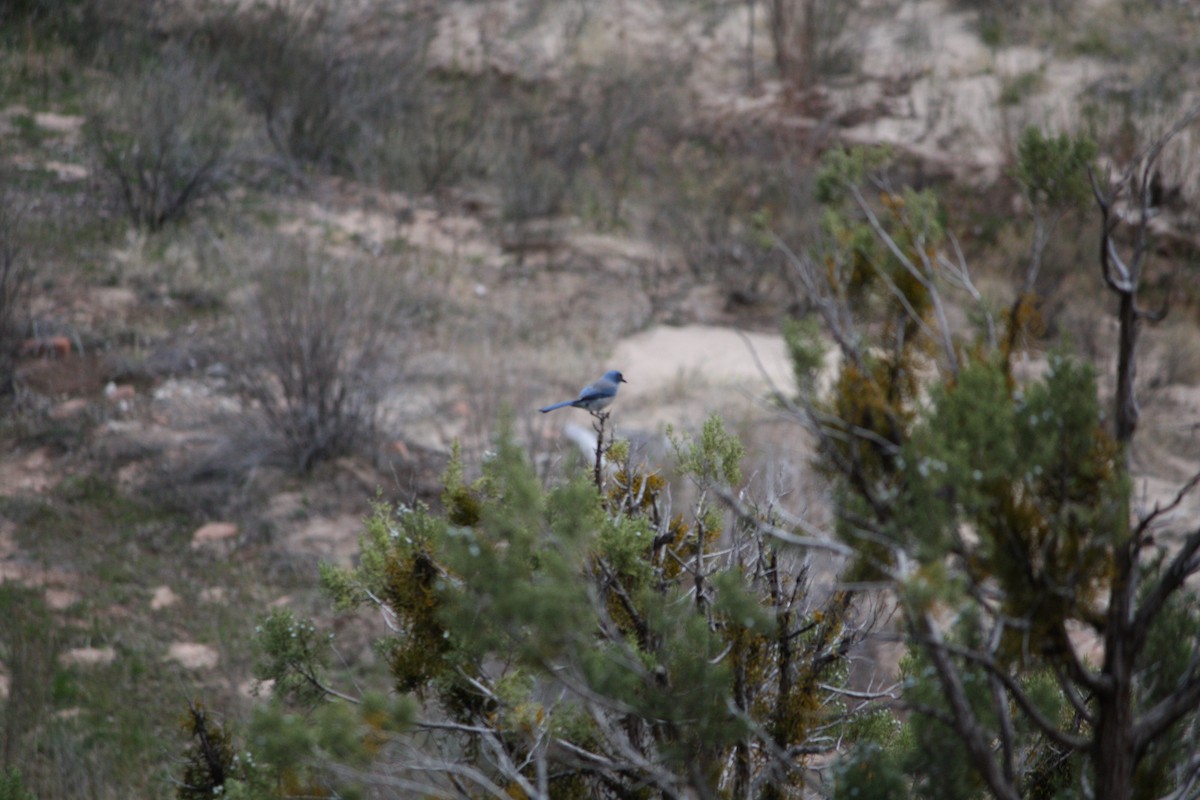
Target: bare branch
column 926, row 282
column 975, row 737
column 1034, row 713
column 1155, row 722
column 813, row 538
column 1183, row 565
column 1159, row 510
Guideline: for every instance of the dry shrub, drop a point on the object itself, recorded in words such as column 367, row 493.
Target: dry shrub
column 1180, row 359
column 163, row 138
column 436, row 140
column 812, row 40
column 724, row 206
column 574, row 145
column 327, row 80
column 317, row 341
column 15, row 279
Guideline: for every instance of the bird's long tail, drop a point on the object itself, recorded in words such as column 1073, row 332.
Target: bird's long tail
column 563, row 404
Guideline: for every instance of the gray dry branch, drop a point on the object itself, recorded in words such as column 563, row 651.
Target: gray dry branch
column 322, row 331
column 328, row 80
column 163, row 138
column 15, row 279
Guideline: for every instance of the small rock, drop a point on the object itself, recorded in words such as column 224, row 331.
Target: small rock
column 163, row 598
column 213, row 534
column 213, row 594
column 193, row 655
column 61, row 599
column 257, row 688
column 68, row 409
column 88, row 657
column 119, row 393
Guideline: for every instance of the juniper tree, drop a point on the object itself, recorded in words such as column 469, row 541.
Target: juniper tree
column 998, row 512
column 585, row 641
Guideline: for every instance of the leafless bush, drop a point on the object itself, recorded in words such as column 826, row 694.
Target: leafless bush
column 810, row 39
column 325, row 78
column 589, row 124
column 163, row 138
column 436, row 139
column 723, row 207
column 1016, row 20
column 15, row 276
column 1180, row 362
column 316, row 342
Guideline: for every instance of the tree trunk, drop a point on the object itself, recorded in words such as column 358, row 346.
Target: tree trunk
column 1126, row 401
column 1113, row 754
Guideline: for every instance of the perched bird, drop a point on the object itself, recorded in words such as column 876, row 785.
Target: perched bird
column 595, row 396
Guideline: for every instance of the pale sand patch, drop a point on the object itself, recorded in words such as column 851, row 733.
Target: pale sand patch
column 193, row 655
column 333, row 539
column 59, row 123
column 31, row 472
column 60, row 599
column 88, row 657
column 214, row 534
column 67, row 172
column 706, row 356
column 213, row 594
column 163, row 597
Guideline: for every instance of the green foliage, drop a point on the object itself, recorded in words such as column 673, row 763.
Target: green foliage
column 209, row 760
column 715, row 458
column 11, row 786
column 930, row 751
column 999, row 511
column 293, row 655
column 1171, row 646
column 30, row 642
column 1033, row 473
column 521, row 612
column 805, row 349
column 869, row 772
column 843, row 167
column 1053, row 169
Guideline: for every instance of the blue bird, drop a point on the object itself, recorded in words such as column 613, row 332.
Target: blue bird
column 595, row 396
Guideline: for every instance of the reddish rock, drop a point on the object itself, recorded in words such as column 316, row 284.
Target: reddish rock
column 68, row 409
column 119, row 394
column 193, row 655
column 214, row 534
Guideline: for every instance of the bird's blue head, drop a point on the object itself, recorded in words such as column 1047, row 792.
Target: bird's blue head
column 615, row 376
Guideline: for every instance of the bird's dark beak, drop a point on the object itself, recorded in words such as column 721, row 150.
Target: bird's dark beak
column 622, row 380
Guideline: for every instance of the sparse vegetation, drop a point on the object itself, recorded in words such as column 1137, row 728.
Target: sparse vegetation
column 164, row 138
column 427, row 212
column 15, row 278
column 589, row 640
column 323, row 333
column 328, row 82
